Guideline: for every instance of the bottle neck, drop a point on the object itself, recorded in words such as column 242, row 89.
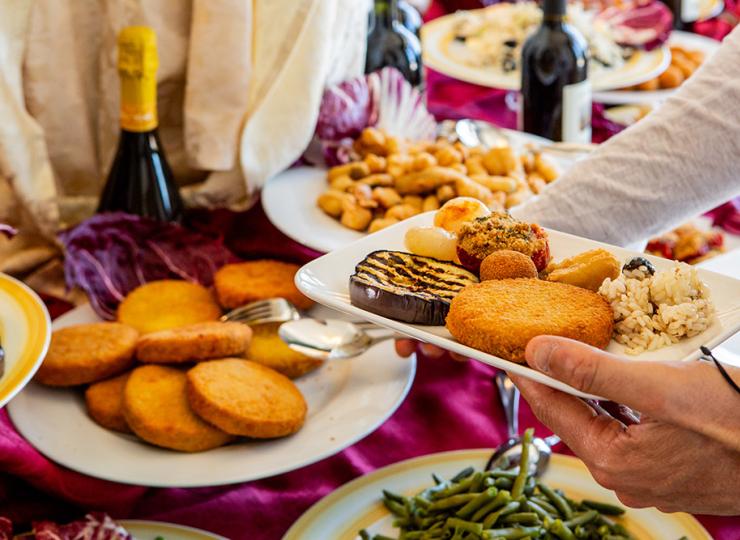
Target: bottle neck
column 386, row 11
column 553, row 12
column 138, row 102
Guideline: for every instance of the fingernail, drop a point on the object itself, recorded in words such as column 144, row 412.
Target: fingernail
column 541, row 356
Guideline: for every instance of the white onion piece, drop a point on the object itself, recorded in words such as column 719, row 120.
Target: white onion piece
column 432, row 242
column 460, row 210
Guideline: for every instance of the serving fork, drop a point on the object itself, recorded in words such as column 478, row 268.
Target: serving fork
column 272, row 310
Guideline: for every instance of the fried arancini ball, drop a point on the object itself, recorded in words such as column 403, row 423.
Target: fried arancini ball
column 193, row 343
column 241, row 283
column 269, row 350
column 156, row 408
column 165, row 304
column 87, row 353
column 672, row 77
column 246, row 398
column 499, row 317
column 505, row 264
column 104, row 401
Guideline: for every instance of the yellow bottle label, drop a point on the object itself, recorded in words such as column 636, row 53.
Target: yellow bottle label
column 137, row 68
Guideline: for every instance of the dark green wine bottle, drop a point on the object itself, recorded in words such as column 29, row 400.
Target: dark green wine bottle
column 556, row 92
column 140, row 180
column 390, row 43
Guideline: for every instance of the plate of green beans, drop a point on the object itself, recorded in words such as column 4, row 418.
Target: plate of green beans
column 449, row 496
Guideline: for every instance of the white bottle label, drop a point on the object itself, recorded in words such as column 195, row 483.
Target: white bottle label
column 691, row 10
column 577, row 112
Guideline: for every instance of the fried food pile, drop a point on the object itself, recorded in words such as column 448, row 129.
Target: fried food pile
column 393, row 180
column 172, row 374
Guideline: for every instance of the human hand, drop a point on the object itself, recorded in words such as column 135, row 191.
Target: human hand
column 407, row 347
column 683, row 455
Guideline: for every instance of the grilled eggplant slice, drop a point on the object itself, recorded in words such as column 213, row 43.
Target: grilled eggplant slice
column 406, row 287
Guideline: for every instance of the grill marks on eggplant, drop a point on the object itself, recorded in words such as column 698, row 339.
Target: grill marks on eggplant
column 407, row 287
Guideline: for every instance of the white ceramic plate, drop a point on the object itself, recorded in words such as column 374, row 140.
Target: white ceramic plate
column 347, row 400
column 326, row 280
column 25, row 330
column 686, row 40
column 357, row 505
column 150, row 530
column 289, row 200
column 442, row 53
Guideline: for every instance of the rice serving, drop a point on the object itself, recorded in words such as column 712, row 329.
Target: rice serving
column 653, row 310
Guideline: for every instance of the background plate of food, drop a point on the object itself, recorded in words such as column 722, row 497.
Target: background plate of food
column 346, row 401
column 483, row 47
column 325, row 210
column 25, row 330
column 651, row 308
column 688, row 52
column 359, row 504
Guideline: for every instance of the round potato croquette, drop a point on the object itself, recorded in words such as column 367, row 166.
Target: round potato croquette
column 87, row 353
column 507, row 264
column 194, row 343
column 499, row 317
column 156, row 408
column 104, row 402
column 269, row 350
column 166, row 304
column 246, row 398
column 242, row 283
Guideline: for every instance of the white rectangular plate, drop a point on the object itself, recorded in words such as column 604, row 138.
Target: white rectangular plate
column 326, row 281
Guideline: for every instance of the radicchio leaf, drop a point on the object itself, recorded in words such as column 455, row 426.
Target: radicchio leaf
column 644, row 24
column 109, row 255
column 93, row 527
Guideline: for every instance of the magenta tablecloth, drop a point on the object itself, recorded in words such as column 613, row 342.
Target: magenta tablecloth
column 451, row 405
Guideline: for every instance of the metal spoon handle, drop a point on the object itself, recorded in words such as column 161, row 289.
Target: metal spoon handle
column 509, row 395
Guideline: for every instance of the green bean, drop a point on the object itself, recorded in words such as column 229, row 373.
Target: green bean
column 532, row 506
column 521, row 478
column 382, row 537
column 558, row 502
column 481, row 499
column 529, row 486
column 561, row 530
column 544, row 502
column 437, row 479
column 498, row 473
column 619, row 529
column 421, row 502
column 522, row 518
column 365, row 535
column 604, row 508
column 512, row 533
column 462, row 474
column 394, row 496
column 451, row 501
column 582, row 518
column 503, row 483
column 477, row 484
column 501, row 499
column 395, row 508
column 464, row 526
column 614, row 537
column 459, row 487
column 508, row 508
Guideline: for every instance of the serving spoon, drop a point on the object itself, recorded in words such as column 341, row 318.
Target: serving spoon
column 509, row 454
column 330, row 339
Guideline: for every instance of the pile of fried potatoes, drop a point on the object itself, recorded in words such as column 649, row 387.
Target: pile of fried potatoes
column 393, row 179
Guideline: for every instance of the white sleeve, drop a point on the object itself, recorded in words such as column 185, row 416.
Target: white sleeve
column 681, row 160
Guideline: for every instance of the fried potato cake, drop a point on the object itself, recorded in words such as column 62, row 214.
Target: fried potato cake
column 87, row 353
column 501, row 316
column 194, row 343
column 240, row 283
column 269, row 350
column 104, row 401
column 505, row 264
column 156, row 408
column 166, row 304
column 246, row 398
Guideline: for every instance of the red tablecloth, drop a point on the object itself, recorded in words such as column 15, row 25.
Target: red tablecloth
column 451, row 405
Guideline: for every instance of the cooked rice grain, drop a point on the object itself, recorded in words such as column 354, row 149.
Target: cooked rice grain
column 651, row 312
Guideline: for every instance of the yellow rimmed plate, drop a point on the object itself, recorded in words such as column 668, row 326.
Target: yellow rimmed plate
column 151, row 530
column 25, row 330
column 357, row 505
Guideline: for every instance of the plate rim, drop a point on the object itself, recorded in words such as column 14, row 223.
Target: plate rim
column 331, row 299
column 170, row 528
column 442, row 25
column 37, row 319
column 183, row 481
column 297, row 530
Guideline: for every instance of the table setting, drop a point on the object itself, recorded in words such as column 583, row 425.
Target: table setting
column 402, row 276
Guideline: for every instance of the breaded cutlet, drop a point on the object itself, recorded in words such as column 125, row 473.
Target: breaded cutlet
column 499, row 317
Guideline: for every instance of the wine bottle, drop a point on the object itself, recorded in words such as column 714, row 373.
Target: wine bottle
column 140, row 180
column 390, row 43
column 556, row 91
column 410, row 17
column 685, row 12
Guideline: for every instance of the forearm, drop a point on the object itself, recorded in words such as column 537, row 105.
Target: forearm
column 678, row 162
